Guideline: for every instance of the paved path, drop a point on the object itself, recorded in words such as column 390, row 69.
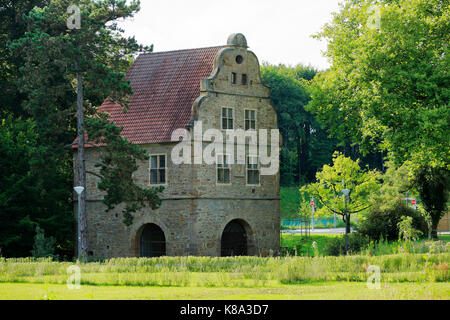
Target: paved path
column 316, row 231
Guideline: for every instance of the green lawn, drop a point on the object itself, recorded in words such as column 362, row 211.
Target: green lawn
column 322, row 290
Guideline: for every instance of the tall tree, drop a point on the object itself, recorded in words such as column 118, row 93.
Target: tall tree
column 306, row 146
column 389, row 80
column 71, row 66
column 43, row 196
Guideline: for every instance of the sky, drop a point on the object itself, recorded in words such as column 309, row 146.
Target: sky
column 277, row 31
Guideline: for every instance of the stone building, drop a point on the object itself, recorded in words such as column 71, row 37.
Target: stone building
column 207, row 209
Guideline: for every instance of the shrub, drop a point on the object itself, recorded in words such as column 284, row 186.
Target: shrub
column 383, row 223
column 336, row 245
column 406, row 230
column 43, row 246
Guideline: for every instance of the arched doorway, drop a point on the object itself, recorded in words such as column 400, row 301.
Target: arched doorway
column 153, row 241
column 234, row 240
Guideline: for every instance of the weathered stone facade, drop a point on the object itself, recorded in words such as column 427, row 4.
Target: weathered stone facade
column 196, row 209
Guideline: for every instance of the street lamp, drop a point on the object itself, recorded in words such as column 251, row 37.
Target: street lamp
column 79, row 191
column 346, row 192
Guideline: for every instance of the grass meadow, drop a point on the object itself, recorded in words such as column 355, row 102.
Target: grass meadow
column 403, row 276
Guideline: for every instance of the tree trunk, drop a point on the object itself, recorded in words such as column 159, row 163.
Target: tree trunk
column 433, row 232
column 305, row 150
column 81, row 169
column 347, row 230
column 299, row 159
column 347, row 224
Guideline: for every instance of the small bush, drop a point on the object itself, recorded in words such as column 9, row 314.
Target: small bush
column 383, row 223
column 336, row 245
column 43, row 246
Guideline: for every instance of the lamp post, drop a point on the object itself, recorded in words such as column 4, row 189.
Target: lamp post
column 79, row 191
column 346, row 192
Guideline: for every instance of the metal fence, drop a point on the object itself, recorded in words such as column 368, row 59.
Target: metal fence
column 304, row 225
column 328, row 222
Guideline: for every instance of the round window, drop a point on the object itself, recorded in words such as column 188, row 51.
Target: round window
column 239, row 59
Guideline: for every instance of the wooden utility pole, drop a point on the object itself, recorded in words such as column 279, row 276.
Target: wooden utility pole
column 81, row 169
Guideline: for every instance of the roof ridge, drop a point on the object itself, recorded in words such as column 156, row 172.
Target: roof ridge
column 178, row 50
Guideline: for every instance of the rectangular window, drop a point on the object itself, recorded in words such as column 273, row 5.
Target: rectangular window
column 227, row 118
column 158, row 169
column 233, row 78
column 250, row 119
column 244, row 79
column 252, row 170
column 223, row 169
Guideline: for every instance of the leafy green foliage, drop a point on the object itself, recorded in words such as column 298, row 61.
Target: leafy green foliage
column 406, row 231
column 396, row 184
column 336, row 246
column 389, row 85
column 44, row 171
column 306, row 146
column 43, row 247
column 26, row 197
column 433, row 186
column 40, row 60
column 382, row 222
column 343, row 174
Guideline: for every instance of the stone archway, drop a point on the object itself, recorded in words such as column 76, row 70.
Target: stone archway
column 152, row 241
column 236, row 239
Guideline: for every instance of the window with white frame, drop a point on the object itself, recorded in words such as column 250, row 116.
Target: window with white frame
column 227, row 118
column 252, row 170
column 158, row 169
column 223, row 169
column 250, row 119
column 233, row 77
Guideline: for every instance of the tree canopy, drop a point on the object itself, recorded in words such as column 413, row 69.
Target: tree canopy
column 389, row 86
column 344, row 173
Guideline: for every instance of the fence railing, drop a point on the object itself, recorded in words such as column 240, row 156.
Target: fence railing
column 319, row 223
column 304, row 225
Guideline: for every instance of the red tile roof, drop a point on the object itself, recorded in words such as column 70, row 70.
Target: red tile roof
column 165, row 85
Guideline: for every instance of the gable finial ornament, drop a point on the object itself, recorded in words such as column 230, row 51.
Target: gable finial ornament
column 238, row 40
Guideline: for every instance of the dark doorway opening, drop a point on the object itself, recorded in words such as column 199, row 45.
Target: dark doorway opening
column 153, row 241
column 234, row 240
